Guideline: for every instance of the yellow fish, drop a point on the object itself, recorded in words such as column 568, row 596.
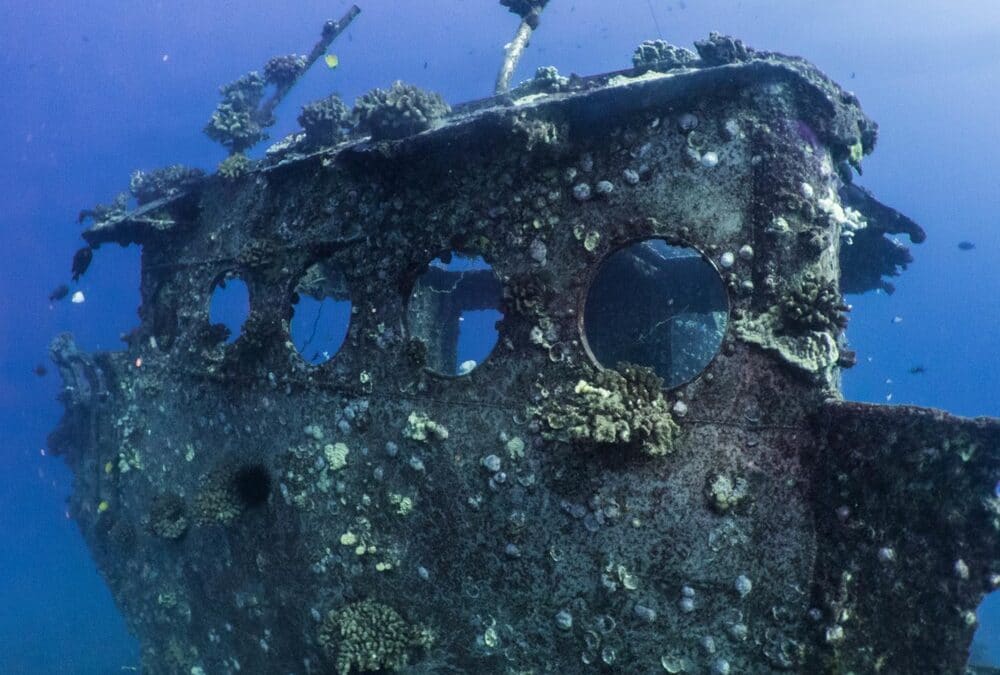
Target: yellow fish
column 332, row 61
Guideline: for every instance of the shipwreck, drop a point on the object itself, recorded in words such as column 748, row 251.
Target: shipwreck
column 654, row 469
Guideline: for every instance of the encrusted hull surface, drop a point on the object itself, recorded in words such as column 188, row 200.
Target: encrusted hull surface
column 254, row 513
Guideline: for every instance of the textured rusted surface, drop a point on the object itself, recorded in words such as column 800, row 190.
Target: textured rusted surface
column 721, row 552
column 908, row 520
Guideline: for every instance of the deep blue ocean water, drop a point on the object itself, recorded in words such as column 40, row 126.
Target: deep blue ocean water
column 92, row 91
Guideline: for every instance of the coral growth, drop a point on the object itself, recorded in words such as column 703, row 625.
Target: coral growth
column 662, row 56
column 724, row 492
column 400, row 111
column 719, row 50
column 623, row 408
column 164, row 182
column 102, row 213
column 216, row 502
column 420, row 427
column 368, row 636
column 168, row 516
column 283, row 70
column 235, row 166
column 230, row 490
column 325, row 121
column 547, row 80
column 815, row 305
column 234, row 123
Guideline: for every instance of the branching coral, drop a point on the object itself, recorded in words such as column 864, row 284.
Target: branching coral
column 368, row 636
column 623, row 408
column 325, row 121
column 234, row 166
column 662, row 56
column 400, row 111
column 234, row 123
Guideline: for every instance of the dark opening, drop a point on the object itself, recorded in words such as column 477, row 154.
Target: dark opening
column 252, row 484
column 657, row 305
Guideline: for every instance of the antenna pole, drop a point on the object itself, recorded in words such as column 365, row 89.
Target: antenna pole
column 331, row 29
column 530, row 12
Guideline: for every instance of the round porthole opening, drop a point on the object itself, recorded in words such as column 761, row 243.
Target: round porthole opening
column 454, row 309
column 321, row 313
column 658, row 305
column 229, row 306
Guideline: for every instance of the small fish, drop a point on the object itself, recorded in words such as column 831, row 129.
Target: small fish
column 966, row 245
column 916, row 370
column 331, row 61
column 40, row 370
column 59, row 292
column 78, row 298
column 897, row 319
column 81, row 261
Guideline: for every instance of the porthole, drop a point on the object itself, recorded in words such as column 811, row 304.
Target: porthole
column 321, row 313
column 658, row 305
column 453, row 310
column 229, row 306
column 985, row 649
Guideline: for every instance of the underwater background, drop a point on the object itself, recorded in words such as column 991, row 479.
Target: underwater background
column 93, row 91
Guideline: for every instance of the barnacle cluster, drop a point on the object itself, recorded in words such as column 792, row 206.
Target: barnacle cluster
column 814, row 305
column 400, row 111
column 622, row 407
column 234, row 123
column 368, row 636
column 662, row 56
column 325, row 121
column 283, row 70
column 148, row 186
column 526, row 294
column 168, row 516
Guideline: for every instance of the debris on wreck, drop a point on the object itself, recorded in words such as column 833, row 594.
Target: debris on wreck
column 253, row 510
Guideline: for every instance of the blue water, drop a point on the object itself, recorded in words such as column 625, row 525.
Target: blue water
column 94, row 90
